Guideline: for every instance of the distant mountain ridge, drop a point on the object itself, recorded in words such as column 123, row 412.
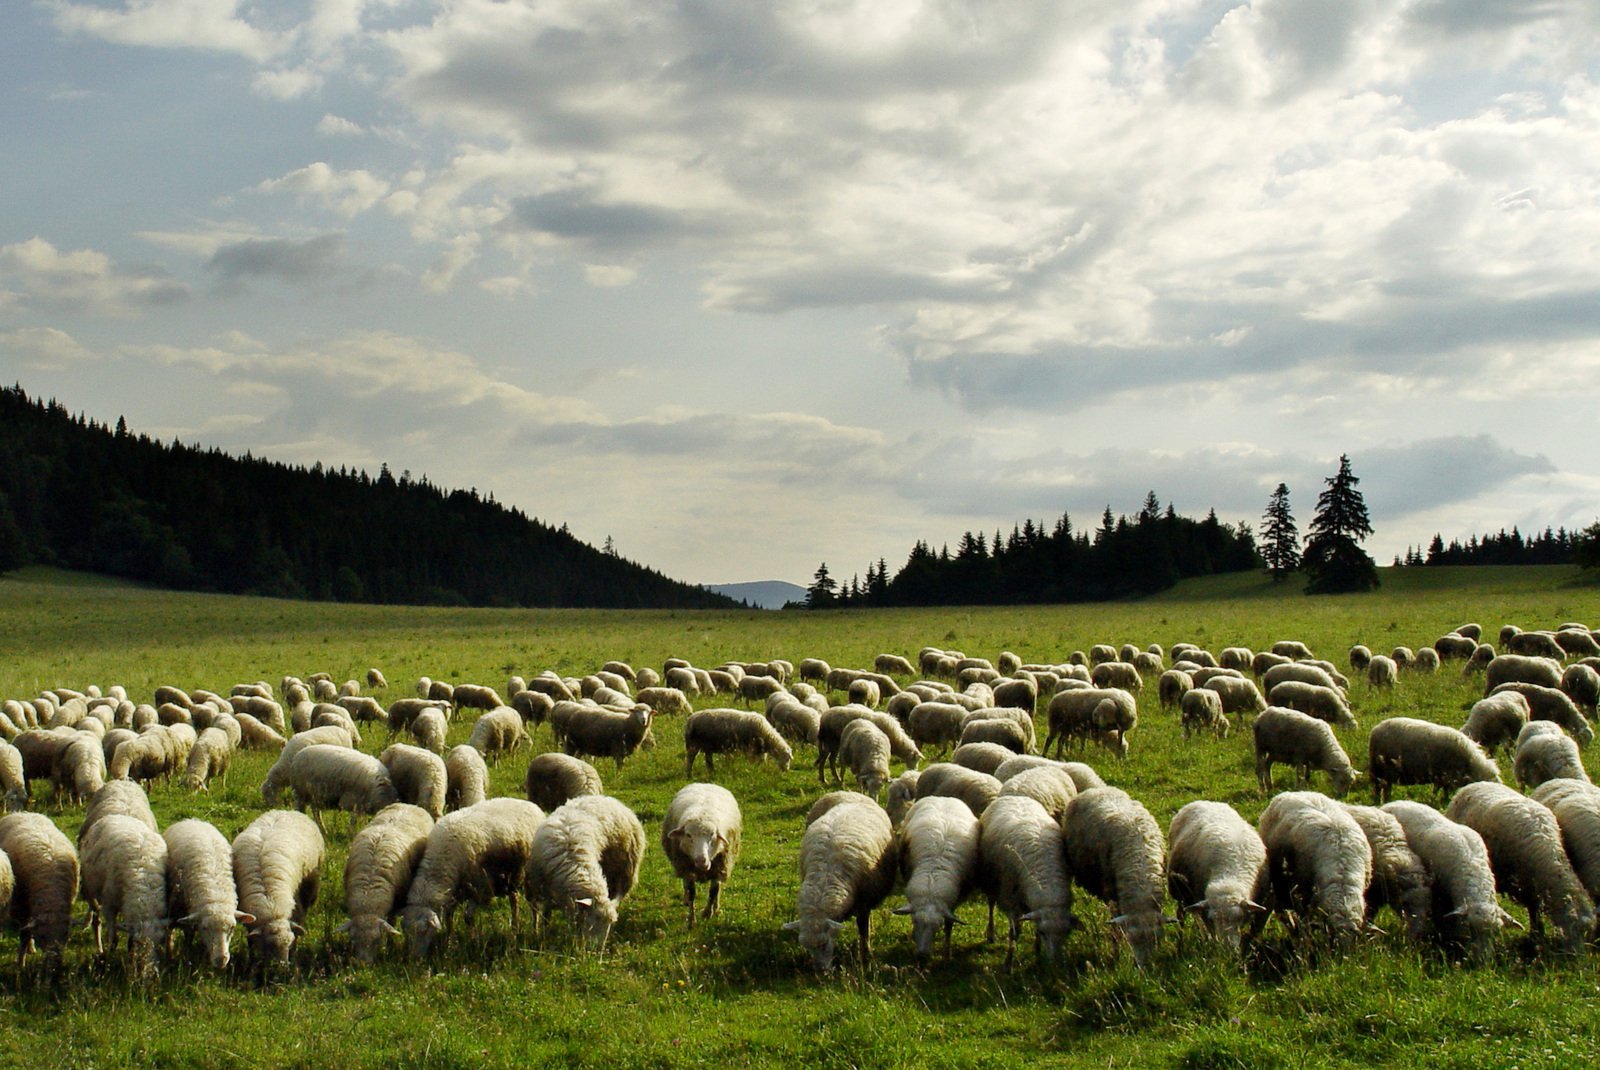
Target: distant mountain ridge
column 762, row 594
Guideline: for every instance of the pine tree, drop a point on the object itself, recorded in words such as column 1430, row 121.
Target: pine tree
column 1334, row 561
column 823, row 590
column 1280, row 539
column 1586, row 547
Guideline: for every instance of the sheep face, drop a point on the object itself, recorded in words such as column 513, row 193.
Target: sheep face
column 927, row 921
column 274, row 940
column 1053, row 924
column 817, row 935
column 595, row 919
column 1226, row 920
column 214, row 932
column 423, row 927
column 368, row 934
column 700, row 843
column 1142, row 931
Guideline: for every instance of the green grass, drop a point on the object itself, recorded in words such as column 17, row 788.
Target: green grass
column 738, row 991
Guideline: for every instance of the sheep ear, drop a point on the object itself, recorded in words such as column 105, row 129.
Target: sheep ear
column 675, row 833
column 950, row 916
column 835, row 926
column 1458, row 912
column 296, row 928
column 343, row 927
column 242, row 917
column 903, row 908
column 1375, row 931
column 1513, row 922
column 791, row 926
column 1196, row 908
column 586, row 902
column 186, row 921
column 1032, row 915
column 388, row 928
column 1251, row 904
column 1120, row 920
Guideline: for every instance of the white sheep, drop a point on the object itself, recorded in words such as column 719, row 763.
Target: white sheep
column 1382, row 671
column 1116, row 674
column 1360, row 658
column 1202, row 710
column 830, row 728
column 1400, row 880
column 585, row 860
column 553, row 778
column 277, row 777
column 497, row 732
column 13, row 784
column 864, row 750
column 1115, row 850
column 902, row 793
column 1582, row 685
column 1171, row 686
column 1105, row 715
column 124, row 881
column 1408, row 750
column 209, row 757
column 1292, row 648
column 729, row 731
column 44, row 868
column 1495, row 721
column 1548, row 704
column 1023, row 871
column 605, row 733
column 982, row 756
column 1544, row 752
column 1319, row 860
column 1520, row 669
column 936, row 723
column 326, row 775
column 466, row 778
column 201, row 894
column 430, row 729
column 1325, row 703
column 701, row 833
column 1217, row 869
column 419, row 777
column 1004, row 732
column 1466, row 913
column 472, row 855
column 1529, row 861
column 378, row 871
column 1238, row 695
column 938, row 853
column 794, row 719
column 848, row 859
column 277, row 868
column 476, row 696
column 1576, row 806
column 1049, row 785
column 1303, row 742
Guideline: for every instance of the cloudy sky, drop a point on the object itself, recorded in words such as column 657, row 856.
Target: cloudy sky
column 749, row 286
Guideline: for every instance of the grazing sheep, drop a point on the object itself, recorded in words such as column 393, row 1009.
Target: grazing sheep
column 864, row 750
column 1544, row 752
column 82, row 769
column 476, row 855
column 1548, row 704
column 1290, row 648
column 1020, row 763
column 466, row 778
column 1529, row 860
column 828, row 801
column 830, row 729
column 1105, row 715
column 209, row 757
column 326, row 775
column 534, row 706
column 429, row 728
column 1480, row 660
column 1535, row 644
column 864, row 693
column 1576, row 641
column 729, row 731
column 124, row 881
column 277, row 777
column 376, row 679
column 938, row 850
column 44, row 870
column 1019, row 694
column 1360, row 658
column 497, row 732
column 1582, row 685
column 1302, row 741
column 1399, row 878
column 1114, row 849
column 152, row 755
column 1238, row 695
column 1403, row 656
column 794, row 720
column 700, row 835
column 1050, row 786
column 1382, row 671
column 668, row 700
column 378, row 873
column 604, row 733
column 364, row 708
column 1465, row 912
column 975, row 789
column 1518, row 669
column 982, row 757
column 476, row 696
column 1319, row 861
column 848, row 859
column 1454, row 646
column 1495, row 721
column 1576, row 806
column 419, row 777
column 12, row 781
column 201, row 894
column 1324, row 703
column 1406, row 750
column 1202, row 710
column 255, row 734
column 277, row 868
column 902, row 793
column 1217, row 869
column 936, row 724
column 1116, row 674
column 1004, row 732
column 1300, row 671
column 554, row 778
column 1171, row 686
column 1023, row 871
column 585, row 860
column 325, row 713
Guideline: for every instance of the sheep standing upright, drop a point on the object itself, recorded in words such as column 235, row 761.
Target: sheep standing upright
column 847, row 866
column 1023, row 872
column 938, row 849
column 585, row 860
column 277, row 867
column 1116, row 852
column 44, row 868
column 864, row 750
column 1217, row 868
column 700, row 835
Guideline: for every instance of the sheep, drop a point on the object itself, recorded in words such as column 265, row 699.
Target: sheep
column 255, row 734
column 466, row 778
column 829, row 800
column 209, row 757
column 474, row 854
column 553, row 778
column 476, row 696
column 724, row 731
column 1217, row 869
column 605, row 733
column 1529, row 862
column 1582, row 685
column 1023, row 871
column 700, row 834
column 1535, row 644
column 1515, row 668
column 1454, row 646
column 277, row 868
column 666, row 700
column 1297, row 670
column 1050, row 786
column 864, row 750
column 1399, row 878
column 1319, row 861
column 1202, row 709
column 1171, row 686
column 44, row 870
column 13, row 783
column 1116, row 674
column 1576, row 806
column 1360, row 657
column 532, row 706
column 1020, row 763
column 831, row 726
column 81, row 770
column 277, row 777
column 1426, row 661
column 150, row 756
column 864, row 693
column 1544, row 752
column 1480, row 660
column 419, row 777
column 938, row 855
column 848, row 860
column 1548, row 704
column 760, row 688
column 124, row 881
column 1382, row 671
column 41, row 750
column 1465, row 911
column 1114, row 849
column 497, row 732
column 794, row 720
column 1238, row 695
column 1106, row 715
column 981, row 756
column 378, row 872
column 1301, row 741
column 548, row 683
column 202, row 897
column 1004, row 732
column 934, row 724
column 975, row 789
column 324, row 775
column 585, row 860
column 902, row 793
column 1495, row 721
column 1576, row 641
column 430, row 729
column 1406, row 750
column 1324, row 703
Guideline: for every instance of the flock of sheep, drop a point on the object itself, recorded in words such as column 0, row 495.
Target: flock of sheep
column 1000, row 817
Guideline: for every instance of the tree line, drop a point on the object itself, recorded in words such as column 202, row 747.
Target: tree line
column 77, row 494
column 1503, row 548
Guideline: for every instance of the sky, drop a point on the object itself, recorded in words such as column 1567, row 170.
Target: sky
column 748, row 287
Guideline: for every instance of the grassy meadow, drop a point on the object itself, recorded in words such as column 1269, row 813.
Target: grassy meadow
column 737, row 991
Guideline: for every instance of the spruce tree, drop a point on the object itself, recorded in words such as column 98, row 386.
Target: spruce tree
column 823, row 590
column 1280, row 539
column 1334, row 561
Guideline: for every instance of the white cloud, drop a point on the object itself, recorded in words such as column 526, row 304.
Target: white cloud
column 42, row 347
column 82, row 280
column 331, row 125
column 347, row 192
column 288, row 83
column 213, row 25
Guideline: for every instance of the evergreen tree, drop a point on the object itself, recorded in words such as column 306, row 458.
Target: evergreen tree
column 1586, row 547
column 823, row 591
column 1334, row 561
column 1280, row 539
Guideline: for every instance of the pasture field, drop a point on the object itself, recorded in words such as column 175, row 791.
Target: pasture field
column 737, row 991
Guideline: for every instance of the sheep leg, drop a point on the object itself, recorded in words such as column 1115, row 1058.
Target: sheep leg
column 1011, row 944
column 988, row 934
column 688, row 769
column 713, row 899
column 949, row 927
column 862, row 920
column 688, row 899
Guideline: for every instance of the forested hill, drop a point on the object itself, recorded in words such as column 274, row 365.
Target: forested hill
column 81, row 495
